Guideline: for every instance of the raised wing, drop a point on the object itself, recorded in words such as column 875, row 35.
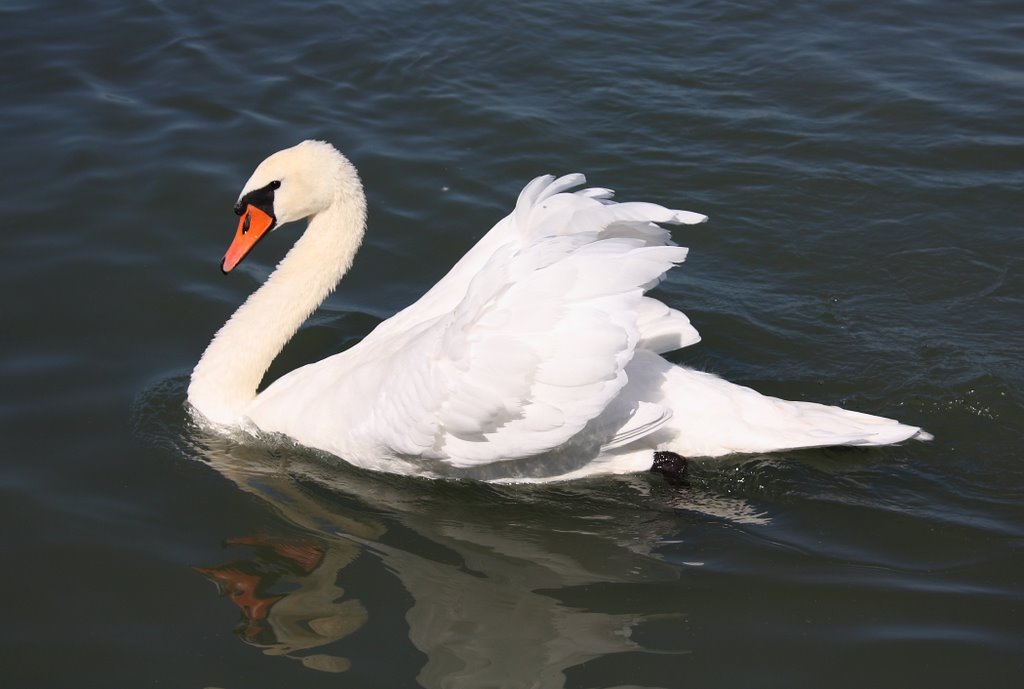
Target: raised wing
column 521, row 346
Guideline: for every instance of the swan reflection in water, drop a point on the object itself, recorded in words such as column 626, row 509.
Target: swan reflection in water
column 287, row 590
column 485, row 565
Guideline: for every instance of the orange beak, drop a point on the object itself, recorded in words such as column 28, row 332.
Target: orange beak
column 252, row 226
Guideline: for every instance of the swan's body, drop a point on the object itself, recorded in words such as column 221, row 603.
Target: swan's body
column 537, row 356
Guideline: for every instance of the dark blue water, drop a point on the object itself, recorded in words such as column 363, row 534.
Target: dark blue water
column 863, row 168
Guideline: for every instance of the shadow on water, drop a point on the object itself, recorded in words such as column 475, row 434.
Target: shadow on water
column 484, row 564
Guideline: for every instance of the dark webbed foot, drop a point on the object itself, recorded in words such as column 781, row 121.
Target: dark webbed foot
column 672, row 466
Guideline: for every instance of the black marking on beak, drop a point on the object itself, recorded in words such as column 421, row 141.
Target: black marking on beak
column 262, row 198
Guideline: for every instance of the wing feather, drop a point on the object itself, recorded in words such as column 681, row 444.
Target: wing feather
column 530, row 357
column 522, row 346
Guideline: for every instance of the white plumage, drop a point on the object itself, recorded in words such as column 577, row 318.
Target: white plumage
column 536, row 357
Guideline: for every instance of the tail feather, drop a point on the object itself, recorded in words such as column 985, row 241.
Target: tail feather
column 713, row 417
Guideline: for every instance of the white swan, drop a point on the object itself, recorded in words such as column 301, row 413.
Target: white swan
column 536, row 357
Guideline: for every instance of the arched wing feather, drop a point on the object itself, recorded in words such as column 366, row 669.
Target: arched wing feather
column 535, row 350
column 514, row 352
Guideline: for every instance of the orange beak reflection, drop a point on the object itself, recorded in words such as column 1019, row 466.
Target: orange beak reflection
column 252, row 226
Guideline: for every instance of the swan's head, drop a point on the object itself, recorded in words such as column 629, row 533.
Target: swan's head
column 292, row 184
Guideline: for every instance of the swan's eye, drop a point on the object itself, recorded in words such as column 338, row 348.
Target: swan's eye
column 275, row 184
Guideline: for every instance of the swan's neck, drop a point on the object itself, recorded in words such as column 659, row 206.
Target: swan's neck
column 224, row 381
